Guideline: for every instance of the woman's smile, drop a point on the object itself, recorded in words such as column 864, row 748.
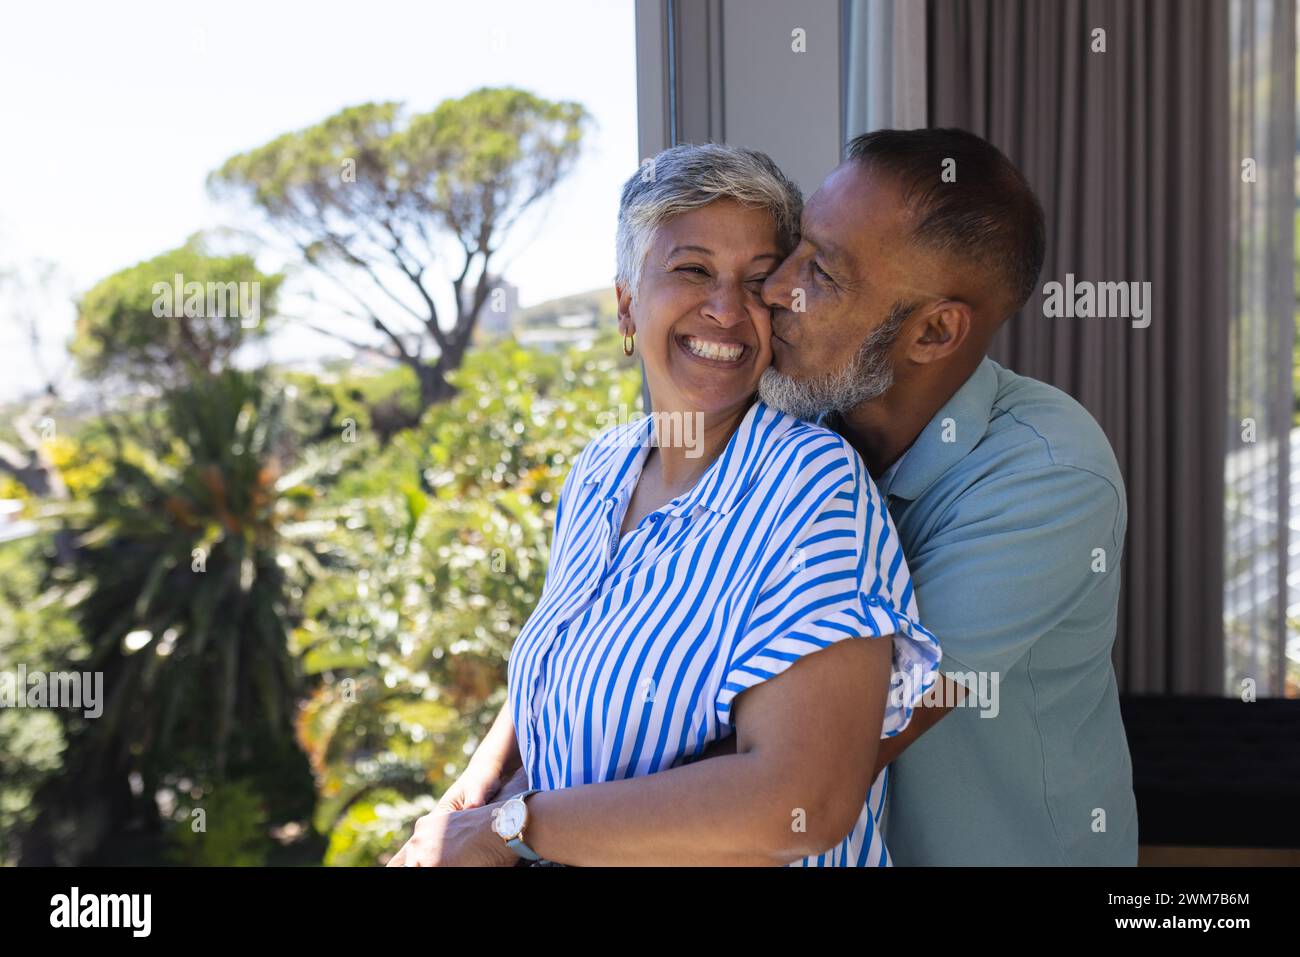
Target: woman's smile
column 716, row 352
column 700, row 321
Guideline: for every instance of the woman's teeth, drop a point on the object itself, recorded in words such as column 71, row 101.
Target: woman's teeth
column 723, row 352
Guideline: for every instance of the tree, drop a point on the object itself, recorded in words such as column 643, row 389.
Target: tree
column 411, row 651
column 30, row 464
column 189, row 555
column 368, row 199
column 183, row 313
column 43, row 637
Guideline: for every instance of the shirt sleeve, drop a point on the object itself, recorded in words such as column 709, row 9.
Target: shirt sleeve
column 832, row 569
column 1012, row 558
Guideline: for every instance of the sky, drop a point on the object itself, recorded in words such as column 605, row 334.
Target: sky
column 114, row 114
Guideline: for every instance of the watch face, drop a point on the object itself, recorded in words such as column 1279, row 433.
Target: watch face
column 510, row 818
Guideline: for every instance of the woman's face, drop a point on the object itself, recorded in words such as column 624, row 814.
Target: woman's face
column 701, row 327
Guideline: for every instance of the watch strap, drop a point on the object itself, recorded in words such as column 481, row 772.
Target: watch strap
column 516, row 843
column 523, row 850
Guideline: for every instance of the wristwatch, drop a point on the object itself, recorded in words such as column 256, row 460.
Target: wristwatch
column 509, row 823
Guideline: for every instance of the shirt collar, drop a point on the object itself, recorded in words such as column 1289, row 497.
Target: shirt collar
column 721, row 486
column 929, row 456
column 888, row 477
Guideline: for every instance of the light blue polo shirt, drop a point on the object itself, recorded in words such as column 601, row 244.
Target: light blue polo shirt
column 1011, row 511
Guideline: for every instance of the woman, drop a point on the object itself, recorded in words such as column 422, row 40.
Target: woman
column 700, row 589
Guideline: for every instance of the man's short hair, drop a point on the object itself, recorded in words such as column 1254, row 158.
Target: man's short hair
column 988, row 216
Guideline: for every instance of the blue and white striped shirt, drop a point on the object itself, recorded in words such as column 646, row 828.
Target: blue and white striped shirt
column 637, row 648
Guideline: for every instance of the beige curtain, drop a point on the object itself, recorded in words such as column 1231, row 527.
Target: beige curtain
column 1128, row 147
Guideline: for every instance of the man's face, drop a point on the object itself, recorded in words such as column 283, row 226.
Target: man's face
column 840, row 298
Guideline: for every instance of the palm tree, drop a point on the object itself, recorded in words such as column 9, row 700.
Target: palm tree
column 186, row 566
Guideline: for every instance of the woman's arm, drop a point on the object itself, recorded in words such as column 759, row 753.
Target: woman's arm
column 494, row 773
column 805, row 752
column 488, row 776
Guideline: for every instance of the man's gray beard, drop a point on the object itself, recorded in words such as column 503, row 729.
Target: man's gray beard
column 866, row 376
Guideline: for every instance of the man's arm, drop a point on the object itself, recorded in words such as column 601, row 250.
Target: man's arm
column 479, row 784
column 1011, row 559
column 938, row 701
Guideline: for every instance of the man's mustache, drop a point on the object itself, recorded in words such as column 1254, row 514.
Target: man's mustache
column 781, row 322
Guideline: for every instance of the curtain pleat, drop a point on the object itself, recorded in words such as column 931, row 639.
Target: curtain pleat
column 1129, row 152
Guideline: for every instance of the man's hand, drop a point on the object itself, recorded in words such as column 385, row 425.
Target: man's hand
column 718, row 747
column 926, row 715
column 455, row 839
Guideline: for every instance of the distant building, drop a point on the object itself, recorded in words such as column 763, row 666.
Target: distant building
column 575, row 320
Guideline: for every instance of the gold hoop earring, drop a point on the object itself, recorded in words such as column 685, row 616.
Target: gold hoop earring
column 629, row 343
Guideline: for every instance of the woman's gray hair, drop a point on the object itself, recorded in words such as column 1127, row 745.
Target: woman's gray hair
column 686, row 177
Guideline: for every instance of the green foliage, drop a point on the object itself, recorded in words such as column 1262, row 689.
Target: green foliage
column 338, row 402
column 411, row 649
column 491, row 152
column 224, row 828
column 307, row 166
column 373, row 197
column 469, row 163
column 38, row 634
column 374, row 826
column 119, row 333
column 276, row 572
column 82, row 463
column 192, row 549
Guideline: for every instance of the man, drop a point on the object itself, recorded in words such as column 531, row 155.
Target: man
column 1005, row 493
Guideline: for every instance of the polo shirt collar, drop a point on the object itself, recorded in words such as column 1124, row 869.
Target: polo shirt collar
column 721, row 486
column 929, row 456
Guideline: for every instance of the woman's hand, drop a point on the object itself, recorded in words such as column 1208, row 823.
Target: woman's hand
column 474, row 788
column 486, row 779
column 491, row 767
column 446, row 838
